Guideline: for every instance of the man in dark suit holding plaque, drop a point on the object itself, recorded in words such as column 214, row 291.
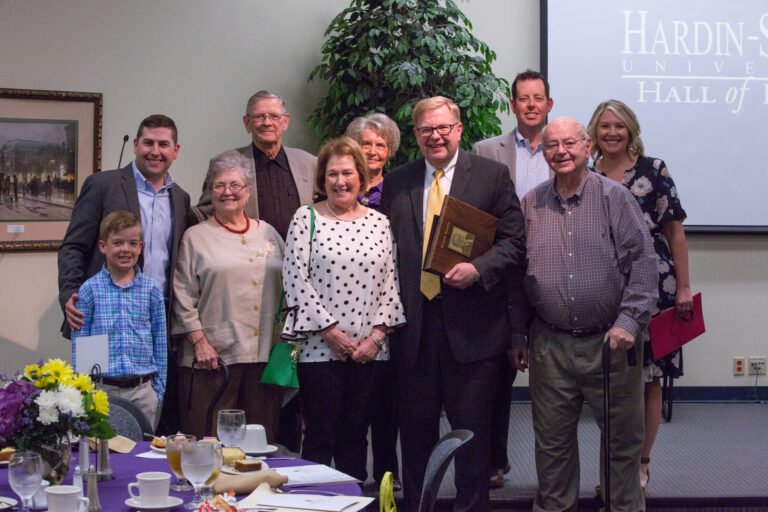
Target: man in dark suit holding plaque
column 450, row 352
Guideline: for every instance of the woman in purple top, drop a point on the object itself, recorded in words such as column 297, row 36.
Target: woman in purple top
column 619, row 154
column 379, row 138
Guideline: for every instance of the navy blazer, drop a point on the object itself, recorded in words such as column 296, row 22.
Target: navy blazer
column 103, row 193
column 476, row 318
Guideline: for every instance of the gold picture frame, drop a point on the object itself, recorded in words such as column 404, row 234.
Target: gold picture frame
column 50, row 142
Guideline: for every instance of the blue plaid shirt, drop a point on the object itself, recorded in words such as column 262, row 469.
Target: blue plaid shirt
column 134, row 318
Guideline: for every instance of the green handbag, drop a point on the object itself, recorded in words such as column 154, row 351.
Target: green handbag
column 282, row 369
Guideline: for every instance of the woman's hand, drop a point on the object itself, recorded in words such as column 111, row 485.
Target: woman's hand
column 339, row 342
column 365, row 351
column 206, row 355
column 683, row 301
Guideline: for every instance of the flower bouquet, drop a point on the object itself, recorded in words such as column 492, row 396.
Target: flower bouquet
column 42, row 407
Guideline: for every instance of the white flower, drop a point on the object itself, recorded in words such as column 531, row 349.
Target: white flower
column 648, row 220
column 669, row 285
column 641, row 187
column 664, row 172
column 673, row 191
column 46, row 402
column 628, row 175
column 656, row 163
column 661, row 206
column 663, row 267
column 70, row 401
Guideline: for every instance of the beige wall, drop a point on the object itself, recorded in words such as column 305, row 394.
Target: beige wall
column 198, row 61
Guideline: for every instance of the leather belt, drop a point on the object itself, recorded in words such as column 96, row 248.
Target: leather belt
column 585, row 332
column 128, row 382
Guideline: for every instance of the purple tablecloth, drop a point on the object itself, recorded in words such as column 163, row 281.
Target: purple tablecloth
column 113, row 493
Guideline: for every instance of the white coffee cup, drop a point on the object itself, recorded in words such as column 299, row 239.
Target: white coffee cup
column 66, row 498
column 153, row 488
column 255, row 439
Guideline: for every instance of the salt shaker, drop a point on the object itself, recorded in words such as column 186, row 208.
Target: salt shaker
column 94, row 503
column 102, row 460
column 77, row 479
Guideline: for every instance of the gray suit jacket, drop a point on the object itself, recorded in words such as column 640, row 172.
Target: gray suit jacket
column 303, row 167
column 103, row 193
column 502, row 148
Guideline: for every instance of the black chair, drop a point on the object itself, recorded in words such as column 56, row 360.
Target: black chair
column 127, row 420
column 439, row 460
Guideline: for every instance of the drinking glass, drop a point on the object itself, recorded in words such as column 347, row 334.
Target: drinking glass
column 206, row 490
column 25, row 474
column 231, row 427
column 173, row 446
column 197, row 462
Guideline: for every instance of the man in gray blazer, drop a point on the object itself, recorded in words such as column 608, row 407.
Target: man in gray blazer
column 145, row 188
column 284, row 176
column 520, row 150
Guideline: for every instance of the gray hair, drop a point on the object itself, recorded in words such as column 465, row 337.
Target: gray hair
column 229, row 160
column 264, row 95
column 379, row 123
column 568, row 120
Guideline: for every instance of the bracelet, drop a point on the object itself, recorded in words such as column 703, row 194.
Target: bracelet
column 378, row 340
column 198, row 340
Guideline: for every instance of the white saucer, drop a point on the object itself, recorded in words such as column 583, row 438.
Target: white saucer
column 269, row 449
column 156, row 449
column 172, row 502
column 7, row 503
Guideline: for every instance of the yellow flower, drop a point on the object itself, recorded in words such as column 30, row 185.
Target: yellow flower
column 32, row 371
column 58, row 370
column 82, row 382
column 101, row 402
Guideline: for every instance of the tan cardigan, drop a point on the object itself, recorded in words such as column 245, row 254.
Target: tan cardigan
column 229, row 289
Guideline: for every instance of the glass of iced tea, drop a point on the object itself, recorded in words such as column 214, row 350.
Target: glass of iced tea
column 173, row 446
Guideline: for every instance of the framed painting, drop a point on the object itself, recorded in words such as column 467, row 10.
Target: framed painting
column 50, row 141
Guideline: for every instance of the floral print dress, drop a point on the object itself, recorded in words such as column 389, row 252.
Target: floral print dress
column 655, row 191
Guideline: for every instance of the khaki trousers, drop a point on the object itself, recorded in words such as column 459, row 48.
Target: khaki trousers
column 142, row 396
column 565, row 372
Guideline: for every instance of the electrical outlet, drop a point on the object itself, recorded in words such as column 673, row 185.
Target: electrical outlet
column 738, row 365
column 756, row 365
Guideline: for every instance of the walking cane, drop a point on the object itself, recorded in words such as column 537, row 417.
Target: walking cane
column 222, row 388
column 606, row 363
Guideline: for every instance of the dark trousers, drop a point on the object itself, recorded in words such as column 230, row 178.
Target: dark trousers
column 500, row 419
column 467, row 391
column 337, row 399
column 384, row 426
column 260, row 402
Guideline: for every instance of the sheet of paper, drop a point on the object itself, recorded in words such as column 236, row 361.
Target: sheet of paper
column 310, row 502
column 90, row 351
column 314, row 474
column 151, row 455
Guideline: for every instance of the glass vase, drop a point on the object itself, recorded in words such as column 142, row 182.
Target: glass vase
column 56, row 459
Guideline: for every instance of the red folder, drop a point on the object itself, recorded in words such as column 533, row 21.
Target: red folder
column 670, row 332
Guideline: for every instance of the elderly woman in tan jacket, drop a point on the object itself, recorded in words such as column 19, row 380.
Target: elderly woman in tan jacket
column 227, row 289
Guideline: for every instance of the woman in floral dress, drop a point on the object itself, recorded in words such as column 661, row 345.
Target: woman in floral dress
column 619, row 154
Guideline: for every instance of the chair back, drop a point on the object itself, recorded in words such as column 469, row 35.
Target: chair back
column 127, row 420
column 439, row 460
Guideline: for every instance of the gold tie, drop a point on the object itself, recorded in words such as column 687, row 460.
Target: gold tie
column 430, row 283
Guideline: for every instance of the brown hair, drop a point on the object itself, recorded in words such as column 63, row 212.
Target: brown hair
column 159, row 121
column 118, row 221
column 341, row 146
column 527, row 75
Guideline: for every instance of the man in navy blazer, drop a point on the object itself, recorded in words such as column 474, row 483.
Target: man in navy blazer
column 451, row 351
column 164, row 210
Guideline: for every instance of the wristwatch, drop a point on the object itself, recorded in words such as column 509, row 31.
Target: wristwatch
column 378, row 340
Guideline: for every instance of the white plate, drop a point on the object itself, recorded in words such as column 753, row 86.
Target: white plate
column 229, row 470
column 172, row 502
column 270, row 449
column 7, row 503
column 4, row 462
column 156, row 449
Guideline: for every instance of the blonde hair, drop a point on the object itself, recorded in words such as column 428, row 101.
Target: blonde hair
column 635, row 146
column 433, row 103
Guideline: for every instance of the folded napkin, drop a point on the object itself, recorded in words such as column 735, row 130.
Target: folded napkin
column 246, row 483
column 119, row 444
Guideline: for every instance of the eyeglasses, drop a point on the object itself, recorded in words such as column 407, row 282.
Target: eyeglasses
column 233, row 187
column 261, row 118
column 568, row 144
column 443, row 129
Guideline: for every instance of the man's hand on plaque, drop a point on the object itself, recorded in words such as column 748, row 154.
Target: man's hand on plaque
column 462, row 275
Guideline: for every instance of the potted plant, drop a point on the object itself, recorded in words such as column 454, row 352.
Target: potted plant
column 385, row 55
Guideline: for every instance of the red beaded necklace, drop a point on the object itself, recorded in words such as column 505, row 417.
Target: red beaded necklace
column 236, row 231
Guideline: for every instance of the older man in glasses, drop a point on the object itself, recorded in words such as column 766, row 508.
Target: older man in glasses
column 284, row 176
column 591, row 279
column 451, row 351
